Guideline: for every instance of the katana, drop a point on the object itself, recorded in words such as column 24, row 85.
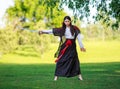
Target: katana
column 36, row 31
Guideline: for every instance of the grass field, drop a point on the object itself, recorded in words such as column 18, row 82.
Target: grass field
column 27, row 69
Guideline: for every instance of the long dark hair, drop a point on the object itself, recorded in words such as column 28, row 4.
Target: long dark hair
column 71, row 26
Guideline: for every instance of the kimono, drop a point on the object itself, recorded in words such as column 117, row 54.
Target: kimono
column 67, row 62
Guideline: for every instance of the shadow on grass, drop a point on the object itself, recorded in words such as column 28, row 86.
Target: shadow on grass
column 40, row 76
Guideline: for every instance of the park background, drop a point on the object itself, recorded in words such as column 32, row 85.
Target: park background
column 27, row 58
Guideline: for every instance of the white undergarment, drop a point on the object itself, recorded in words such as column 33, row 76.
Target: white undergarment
column 68, row 35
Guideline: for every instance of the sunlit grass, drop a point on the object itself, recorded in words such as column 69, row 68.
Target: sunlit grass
column 103, row 51
column 108, row 51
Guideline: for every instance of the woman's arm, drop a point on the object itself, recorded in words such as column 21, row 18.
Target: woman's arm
column 54, row 31
column 46, row 32
column 80, row 42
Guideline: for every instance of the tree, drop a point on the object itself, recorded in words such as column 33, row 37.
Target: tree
column 107, row 10
column 30, row 13
column 35, row 14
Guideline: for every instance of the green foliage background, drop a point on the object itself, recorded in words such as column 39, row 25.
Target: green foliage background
column 46, row 14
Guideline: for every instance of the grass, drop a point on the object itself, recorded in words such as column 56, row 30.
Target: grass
column 40, row 76
column 26, row 69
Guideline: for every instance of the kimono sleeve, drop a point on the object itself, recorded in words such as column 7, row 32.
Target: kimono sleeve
column 77, row 30
column 57, row 31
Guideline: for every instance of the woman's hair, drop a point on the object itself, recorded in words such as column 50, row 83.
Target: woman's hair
column 71, row 26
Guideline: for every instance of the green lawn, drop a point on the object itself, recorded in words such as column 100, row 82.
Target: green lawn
column 27, row 69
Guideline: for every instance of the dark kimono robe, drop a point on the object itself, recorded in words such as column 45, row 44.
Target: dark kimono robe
column 67, row 61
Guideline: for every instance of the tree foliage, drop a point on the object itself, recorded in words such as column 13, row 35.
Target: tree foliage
column 12, row 40
column 26, row 14
column 37, row 14
column 107, row 10
column 31, row 12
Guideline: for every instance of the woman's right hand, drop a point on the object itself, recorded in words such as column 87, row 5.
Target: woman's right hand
column 40, row 32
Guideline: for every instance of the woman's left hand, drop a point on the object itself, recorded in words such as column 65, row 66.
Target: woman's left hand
column 83, row 49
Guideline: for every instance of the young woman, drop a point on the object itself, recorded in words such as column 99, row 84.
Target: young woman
column 67, row 62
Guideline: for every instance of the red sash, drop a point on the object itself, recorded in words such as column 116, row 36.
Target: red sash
column 67, row 44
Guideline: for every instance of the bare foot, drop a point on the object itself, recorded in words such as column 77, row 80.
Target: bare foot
column 55, row 78
column 80, row 77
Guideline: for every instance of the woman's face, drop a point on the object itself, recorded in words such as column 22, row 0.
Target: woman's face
column 67, row 22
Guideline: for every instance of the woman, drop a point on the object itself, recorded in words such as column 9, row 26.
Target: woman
column 67, row 62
